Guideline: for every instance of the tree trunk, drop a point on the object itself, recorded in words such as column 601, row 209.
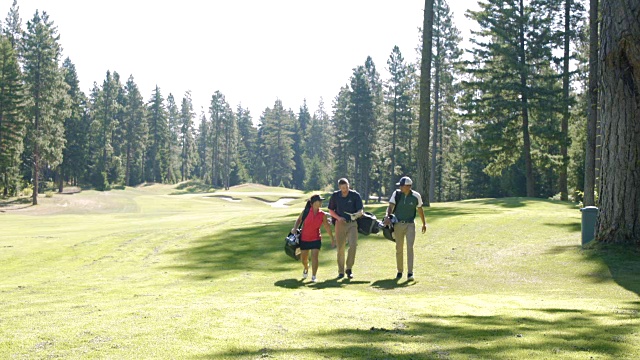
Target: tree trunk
column 525, row 112
column 592, row 120
column 619, row 218
column 36, row 170
column 60, row 179
column 565, row 106
column 436, row 113
column 424, row 126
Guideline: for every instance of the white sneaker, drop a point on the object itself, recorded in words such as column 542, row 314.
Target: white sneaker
column 305, row 273
column 313, row 278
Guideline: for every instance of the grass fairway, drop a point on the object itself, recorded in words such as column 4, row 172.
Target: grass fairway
column 153, row 272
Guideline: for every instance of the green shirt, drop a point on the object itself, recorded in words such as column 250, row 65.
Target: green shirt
column 405, row 209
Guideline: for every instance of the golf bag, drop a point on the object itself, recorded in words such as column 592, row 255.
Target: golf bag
column 292, row 241
column 292, row 246
column 368, row 224
column 387, row 231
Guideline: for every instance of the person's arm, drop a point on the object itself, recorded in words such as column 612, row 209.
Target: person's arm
column 424, row 221
column 387, row 218
column 392, row 205
column 297, row 224
column 359, row 207
column 327, row 228
column 332, row 209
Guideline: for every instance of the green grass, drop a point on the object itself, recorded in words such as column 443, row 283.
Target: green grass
column 141, row 273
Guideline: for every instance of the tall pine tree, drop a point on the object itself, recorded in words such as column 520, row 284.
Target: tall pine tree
column 46, row 87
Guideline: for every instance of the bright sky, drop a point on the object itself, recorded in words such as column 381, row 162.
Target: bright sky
column 253, row 51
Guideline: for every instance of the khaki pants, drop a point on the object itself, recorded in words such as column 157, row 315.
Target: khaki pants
column 402, row 231
column 346, row 232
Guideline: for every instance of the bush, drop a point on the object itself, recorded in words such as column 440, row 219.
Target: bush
column 27, row 191
column 48, row 194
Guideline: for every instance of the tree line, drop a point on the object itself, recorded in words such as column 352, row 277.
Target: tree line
column 507, row 120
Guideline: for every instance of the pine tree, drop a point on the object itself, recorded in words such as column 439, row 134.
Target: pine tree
column 512, row 76
column 203, row 163
column 46, row 87
column 424, row 124
column 276, row 142
column 12, row 122
column 104, row 108
column 173, row 113
column 362, row 128
column 340, row 123
column 13, row 28
column 247, row 136
column 217, row 111
column 136, row 131
column 399, row 116
column 300, row 136
column 187, row 142
column 157, row 154
column 229, row 150
column 446, row 54
column 76, row 130
column 318, row 148
column 619, row 218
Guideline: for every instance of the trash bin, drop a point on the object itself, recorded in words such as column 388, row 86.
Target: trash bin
column 589, row 217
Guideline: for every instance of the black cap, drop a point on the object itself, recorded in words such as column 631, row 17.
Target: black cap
column 315, row 198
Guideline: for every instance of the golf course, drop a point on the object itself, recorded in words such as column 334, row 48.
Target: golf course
column 176, row 272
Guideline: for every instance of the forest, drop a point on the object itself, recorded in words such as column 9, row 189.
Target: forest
column 508, row 117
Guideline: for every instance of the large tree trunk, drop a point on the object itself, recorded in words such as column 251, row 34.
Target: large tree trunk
column 565, row 106
column 525, row 112
column 424, row 127
column 436, row 115
column 619, row 219
column 592, row 121
column 36, row 173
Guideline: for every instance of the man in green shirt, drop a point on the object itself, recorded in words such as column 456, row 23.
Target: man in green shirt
column 404, row 203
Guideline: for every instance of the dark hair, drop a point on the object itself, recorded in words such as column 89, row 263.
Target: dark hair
column 343, row 181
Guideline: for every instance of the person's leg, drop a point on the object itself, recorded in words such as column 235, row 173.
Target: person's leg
column 411, row 237
column 399, row 232
column 314, row 261
column 340, row 244
column 304, row 258
column 352, row 238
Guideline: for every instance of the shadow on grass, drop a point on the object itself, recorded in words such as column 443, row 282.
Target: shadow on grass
column 390, row 284
column 623, row 262
column 289, row 283
column 572, row 227
column 518, row 202
column 244, row 249
column 257, row 247
column 539, row 333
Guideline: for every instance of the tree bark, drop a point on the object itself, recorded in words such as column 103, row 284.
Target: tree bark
column 592, row 120
column 436, row 115
column 424, row 127
column 525, row 112
column 619, row 217
column 564, row 196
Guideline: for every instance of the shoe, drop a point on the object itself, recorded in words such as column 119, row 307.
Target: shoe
column 399, row 275
column 313, row 278
column 305, row 273
column 410, row 276
column 349, row 273
column 340, row 276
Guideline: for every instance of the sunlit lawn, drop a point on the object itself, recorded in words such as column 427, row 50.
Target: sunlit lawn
column 160, row 272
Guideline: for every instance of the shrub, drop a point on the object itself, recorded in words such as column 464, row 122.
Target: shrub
column 48, row 194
